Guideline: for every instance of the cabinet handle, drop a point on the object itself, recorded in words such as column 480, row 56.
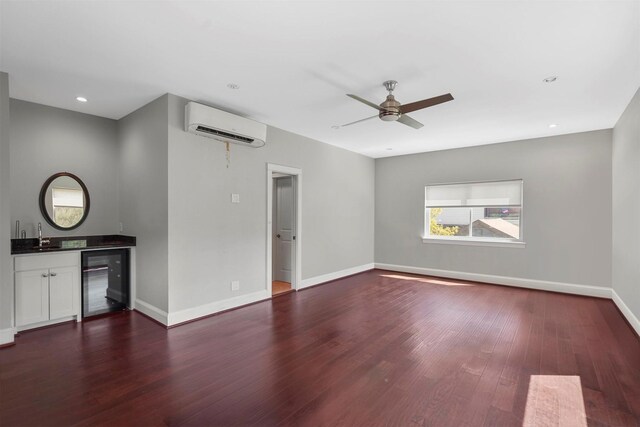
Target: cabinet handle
column 45, row 275
column 54, row 274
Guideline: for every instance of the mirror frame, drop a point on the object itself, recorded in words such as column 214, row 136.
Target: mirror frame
column 43, row 193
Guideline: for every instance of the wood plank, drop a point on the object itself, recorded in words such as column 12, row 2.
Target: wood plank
column 377, row 348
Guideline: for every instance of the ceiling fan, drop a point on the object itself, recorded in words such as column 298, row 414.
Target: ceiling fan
column 391, row 110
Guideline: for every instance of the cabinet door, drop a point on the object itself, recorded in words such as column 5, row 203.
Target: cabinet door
column 32, row 297
column 63, row 287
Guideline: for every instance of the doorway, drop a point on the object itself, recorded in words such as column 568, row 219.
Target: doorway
column 283, row 226
column 283, row 233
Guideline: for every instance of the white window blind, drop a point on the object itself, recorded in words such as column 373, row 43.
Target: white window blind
column 68, row 197
column 477, row 194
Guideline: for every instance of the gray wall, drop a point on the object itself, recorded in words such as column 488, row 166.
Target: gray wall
column 172, row 190
column 6, row 278
column 212, row 241
column 626, row 206
column 567, row 208
column 144, row 198
column 46, row 140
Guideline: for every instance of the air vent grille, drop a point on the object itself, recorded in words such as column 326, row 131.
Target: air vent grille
column 225, row 134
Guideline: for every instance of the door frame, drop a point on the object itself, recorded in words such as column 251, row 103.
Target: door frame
column 296, row 276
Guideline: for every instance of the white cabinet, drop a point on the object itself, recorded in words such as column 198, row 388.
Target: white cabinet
column 32, row 297
column 47, row 288
column 63, row 286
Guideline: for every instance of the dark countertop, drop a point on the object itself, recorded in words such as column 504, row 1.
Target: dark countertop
column 71, row 243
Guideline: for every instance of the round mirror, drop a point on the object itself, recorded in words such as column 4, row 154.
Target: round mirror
column 64, row 201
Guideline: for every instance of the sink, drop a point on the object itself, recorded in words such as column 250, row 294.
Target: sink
column 42, row 248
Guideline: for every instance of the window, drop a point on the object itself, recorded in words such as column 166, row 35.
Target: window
column 483, row 212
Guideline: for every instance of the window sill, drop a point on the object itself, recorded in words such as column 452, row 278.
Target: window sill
column 474, row 242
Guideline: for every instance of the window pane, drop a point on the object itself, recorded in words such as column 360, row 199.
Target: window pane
column 449, row 221
column 501, row 223
column 474, row 211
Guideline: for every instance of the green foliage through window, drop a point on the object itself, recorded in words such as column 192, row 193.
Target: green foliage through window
column 436, row 229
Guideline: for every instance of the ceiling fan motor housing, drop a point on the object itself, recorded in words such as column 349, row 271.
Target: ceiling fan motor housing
column 390, row 111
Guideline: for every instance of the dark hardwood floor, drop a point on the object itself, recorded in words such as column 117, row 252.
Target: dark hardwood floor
column 375, row 349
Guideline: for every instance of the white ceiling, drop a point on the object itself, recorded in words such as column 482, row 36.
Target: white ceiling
column 295, row 61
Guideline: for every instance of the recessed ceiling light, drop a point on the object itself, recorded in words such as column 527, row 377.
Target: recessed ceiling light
column 233, row 86
column 550, row 79
column 553, row 125
column 389, row 149
column 81, row 99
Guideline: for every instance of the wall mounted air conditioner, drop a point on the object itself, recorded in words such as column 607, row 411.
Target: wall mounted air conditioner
column 226, row 127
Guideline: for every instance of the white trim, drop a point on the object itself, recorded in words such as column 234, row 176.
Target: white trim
column 543, row 285
column 216, row 306
column 132, row 278
column 489, row 181
column 6, row 335
column 474, row 242
column 626, row 311
column 287, row 170
column 335, row 275
column 151, row 311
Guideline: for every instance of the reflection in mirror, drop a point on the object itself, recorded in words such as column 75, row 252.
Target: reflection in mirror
column 67, row 201
column 64, row 201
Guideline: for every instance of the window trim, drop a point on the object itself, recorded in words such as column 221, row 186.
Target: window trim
column 469, row 240
column 475, row 241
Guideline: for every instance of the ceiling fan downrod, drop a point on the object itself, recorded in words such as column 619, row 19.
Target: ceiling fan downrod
column 390, row 85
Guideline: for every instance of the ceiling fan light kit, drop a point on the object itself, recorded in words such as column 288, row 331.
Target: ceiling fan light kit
column 391, row 110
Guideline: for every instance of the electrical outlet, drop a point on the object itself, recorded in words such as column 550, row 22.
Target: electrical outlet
column 235, row 285
column 235, row 198
column 121, row 227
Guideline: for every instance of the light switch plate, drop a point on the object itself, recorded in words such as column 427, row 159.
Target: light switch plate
column 235, row 198
column 235, row 285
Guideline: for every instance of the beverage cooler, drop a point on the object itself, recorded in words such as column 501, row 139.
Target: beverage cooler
column 105, row 281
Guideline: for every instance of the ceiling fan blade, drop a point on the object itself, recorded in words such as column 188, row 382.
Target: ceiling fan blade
column 358, row 121
column 364, row 101
column 419, row 105
column 406, row 120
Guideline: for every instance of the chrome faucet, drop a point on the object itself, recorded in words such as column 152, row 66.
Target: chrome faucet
column 41, row 241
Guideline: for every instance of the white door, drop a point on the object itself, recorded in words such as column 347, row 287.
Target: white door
column 32, row 297
column 284, row 239
column 62, row 292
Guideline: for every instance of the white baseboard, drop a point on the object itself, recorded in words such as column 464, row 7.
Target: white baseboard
column 543, row 285
column 6, row 335
column 174, row 318
column 626, row 311
column 154, row 312
column 215, row 307
column 335, row 275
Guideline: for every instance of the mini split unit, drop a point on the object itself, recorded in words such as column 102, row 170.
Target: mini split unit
column 226, row 127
